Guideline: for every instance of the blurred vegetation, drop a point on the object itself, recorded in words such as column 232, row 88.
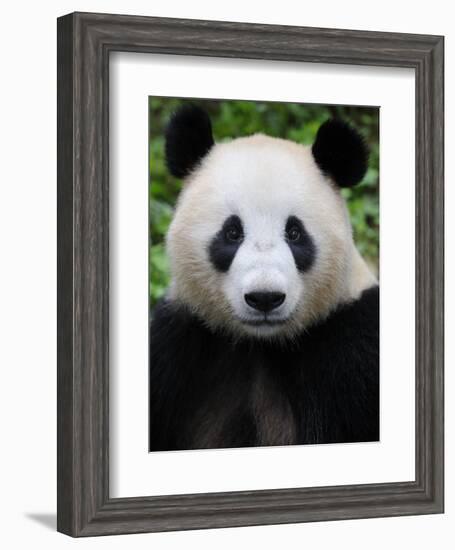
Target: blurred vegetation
column 297, row 122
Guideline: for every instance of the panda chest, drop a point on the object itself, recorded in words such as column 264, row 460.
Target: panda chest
column 252, row 411
column 274, row 419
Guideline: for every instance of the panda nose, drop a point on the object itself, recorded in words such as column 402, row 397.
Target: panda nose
column 264, row 301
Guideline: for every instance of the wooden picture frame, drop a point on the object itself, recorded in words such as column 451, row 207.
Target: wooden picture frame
column 84, row 44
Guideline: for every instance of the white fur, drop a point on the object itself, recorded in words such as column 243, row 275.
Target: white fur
column 263, row 180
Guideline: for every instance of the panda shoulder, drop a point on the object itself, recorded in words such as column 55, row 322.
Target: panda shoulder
column 355, row 327
column 352, row 325
column 170, row 319
column 175, row 333
column 361, row 315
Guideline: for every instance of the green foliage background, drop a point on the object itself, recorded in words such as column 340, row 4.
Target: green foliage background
column 297, row 122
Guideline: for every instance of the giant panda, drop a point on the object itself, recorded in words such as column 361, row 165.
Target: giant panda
column 269, row 331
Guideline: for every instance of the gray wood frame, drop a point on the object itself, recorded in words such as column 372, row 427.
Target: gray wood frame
column 84, row 44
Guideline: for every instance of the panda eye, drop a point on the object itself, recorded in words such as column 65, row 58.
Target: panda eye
column 293, row 233
column 233, row 234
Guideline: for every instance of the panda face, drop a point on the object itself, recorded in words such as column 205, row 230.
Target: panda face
column 260, row 243
column 262, row 255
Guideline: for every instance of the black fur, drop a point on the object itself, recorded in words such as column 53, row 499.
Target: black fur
column 304, row 249
column 208, row 392
column 341, row 152
column 188, row 139
column 222, row 250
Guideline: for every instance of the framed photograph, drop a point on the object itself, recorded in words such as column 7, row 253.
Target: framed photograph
column 231, row 198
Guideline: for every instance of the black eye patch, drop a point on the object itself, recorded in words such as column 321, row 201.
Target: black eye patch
column 301, row 244
column 225, row 243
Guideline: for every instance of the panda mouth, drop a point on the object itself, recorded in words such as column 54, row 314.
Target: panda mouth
column 263, row 322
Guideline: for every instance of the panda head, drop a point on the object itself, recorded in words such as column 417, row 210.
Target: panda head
column 261, row 242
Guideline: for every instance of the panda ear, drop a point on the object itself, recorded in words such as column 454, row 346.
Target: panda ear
column 341, row 152
column 188, row 139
